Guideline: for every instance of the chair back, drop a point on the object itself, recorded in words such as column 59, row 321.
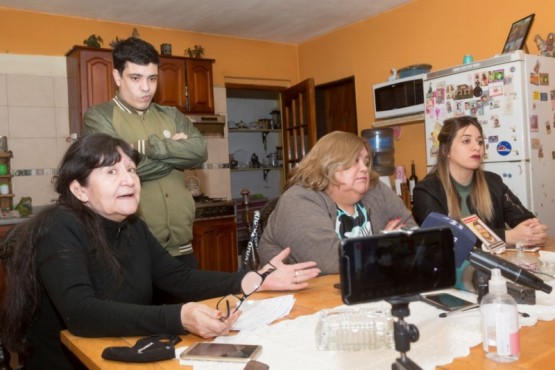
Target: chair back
column 251, row 260
column 2, row 281
column 266, row 211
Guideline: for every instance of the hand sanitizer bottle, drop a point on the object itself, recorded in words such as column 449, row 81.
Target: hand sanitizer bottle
column 501, row 339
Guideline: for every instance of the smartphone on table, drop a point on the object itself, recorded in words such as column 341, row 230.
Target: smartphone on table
column 446, row 301
column 221, row 352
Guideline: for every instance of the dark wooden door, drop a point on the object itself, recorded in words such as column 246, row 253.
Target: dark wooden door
column 298, row 116
column 336, row 107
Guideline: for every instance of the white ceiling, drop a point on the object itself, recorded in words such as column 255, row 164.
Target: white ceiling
column 290, row 21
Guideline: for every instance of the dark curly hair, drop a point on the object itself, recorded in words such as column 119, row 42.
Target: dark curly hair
column 136, row 51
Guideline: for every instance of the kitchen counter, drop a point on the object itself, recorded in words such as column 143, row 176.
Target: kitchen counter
column 6, row 223
column 12, row 220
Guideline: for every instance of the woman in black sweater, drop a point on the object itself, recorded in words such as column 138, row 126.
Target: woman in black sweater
column 89, row 264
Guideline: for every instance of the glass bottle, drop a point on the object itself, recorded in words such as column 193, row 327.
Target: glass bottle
column 521, row 259
column 500, row 328
column 413, row 179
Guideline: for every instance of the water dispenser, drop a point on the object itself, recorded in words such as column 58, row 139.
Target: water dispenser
column 381, row 143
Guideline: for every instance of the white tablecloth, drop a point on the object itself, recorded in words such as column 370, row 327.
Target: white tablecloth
column 291, row 344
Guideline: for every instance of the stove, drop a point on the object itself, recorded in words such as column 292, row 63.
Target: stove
column 211, row 208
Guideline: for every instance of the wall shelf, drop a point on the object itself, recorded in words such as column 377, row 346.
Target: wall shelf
column 253, row 130
column 399, row 120
column 6, row 200
column 261, row 168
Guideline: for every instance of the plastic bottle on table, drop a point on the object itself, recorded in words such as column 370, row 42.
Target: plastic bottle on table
column 500, row 328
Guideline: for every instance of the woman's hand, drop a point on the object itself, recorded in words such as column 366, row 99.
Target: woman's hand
column 204, row 321
column 288, row 277
column 397, row 223
column 531, row 232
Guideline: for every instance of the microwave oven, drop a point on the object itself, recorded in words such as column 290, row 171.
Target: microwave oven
column 400, row 97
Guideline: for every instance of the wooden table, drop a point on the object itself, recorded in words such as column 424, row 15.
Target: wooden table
column 537, row 342
column 320, row 294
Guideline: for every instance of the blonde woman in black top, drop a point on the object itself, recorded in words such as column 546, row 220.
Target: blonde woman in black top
column 458, row 187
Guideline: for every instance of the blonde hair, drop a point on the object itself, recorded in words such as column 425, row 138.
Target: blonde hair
column 333, row 152
column 479, row 192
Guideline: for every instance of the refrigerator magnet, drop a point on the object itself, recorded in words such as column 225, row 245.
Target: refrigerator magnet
column 494, row 120
column 493, row 139
column 477, row 92
column 484, row 81
column 534, row 127
column 495, row 89
column 504, row 148
column 534, row 79
column 537, row 66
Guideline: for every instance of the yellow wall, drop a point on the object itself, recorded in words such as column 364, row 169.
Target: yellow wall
column 436, row 32
column 23, row 32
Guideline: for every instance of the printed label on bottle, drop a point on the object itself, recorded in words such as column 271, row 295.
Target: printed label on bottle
column 515, row 343
column 412, row 184
column 501, row 330
column 506, row 333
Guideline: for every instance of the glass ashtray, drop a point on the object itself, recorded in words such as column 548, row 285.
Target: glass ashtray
column 353, row 329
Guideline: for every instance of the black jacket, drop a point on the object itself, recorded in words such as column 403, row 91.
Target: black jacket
column 429, row 196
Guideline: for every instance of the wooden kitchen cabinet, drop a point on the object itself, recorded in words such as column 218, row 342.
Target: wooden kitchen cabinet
column 5, row 229
column 215, row 244
column 89, row 80
column 185, row 83
column 200, row 85
column 172, row 87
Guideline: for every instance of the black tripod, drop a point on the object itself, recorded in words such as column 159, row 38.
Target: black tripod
column 403, row 332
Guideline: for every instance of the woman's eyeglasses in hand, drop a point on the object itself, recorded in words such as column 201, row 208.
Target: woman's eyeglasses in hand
column 251, row 282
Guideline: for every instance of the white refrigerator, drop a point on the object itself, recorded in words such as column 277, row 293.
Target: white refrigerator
column 513, row 98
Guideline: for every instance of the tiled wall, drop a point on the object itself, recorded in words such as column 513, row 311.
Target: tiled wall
column 214, row 179
column 34, row 117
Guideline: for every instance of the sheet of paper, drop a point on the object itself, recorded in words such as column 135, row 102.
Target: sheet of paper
column 257, row 313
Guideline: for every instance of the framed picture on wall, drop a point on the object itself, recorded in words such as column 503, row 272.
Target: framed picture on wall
column 516, row 39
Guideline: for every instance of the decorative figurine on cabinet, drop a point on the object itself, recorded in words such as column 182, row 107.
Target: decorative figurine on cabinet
column 255, row 163
column 546, row 47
